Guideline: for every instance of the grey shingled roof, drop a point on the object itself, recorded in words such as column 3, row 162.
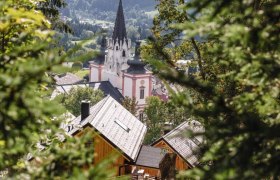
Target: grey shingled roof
column 119, row 29
column 116, row 124
column 67, row 78
column 150, row 157
column 187, row 148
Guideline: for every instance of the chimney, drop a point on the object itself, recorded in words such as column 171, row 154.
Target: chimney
column 167, row 128
column 85, row 106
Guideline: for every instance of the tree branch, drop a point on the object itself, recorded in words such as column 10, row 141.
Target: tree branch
column 202, row 73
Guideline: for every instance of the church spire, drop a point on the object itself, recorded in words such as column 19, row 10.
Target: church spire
column 119, row 33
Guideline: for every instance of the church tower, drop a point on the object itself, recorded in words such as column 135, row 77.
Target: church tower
column 119, row 47
column 137, row 81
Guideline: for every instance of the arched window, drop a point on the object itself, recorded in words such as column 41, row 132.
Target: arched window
column 123, row 53
column 117, row 48
column 142, row 92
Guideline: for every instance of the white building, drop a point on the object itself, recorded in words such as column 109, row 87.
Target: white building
column 115, row 64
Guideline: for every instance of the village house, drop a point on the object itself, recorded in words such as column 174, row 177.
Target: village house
column 118, row 131
column 186, row 149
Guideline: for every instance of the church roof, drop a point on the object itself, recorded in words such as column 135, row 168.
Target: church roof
column 116, row 124
column 105, row 86
column 136, row 66
column 119, row 33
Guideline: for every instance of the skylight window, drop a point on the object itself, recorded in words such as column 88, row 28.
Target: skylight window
column 122, row 125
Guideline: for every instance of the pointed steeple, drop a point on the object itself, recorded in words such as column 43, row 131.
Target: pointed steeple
column 119, row 33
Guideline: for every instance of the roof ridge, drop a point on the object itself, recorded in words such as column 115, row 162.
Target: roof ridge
column 176, row 128
column 98, row 106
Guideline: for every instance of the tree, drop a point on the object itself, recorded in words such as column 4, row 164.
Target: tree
column 51, row 10
column 26, row 117
column 168, row 42
column 157, row 113
column 72, row 101
column 154, row 114
column 130, row 104
column 237, row 98
column 24, row 59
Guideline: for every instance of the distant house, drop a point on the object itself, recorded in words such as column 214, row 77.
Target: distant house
column 67, row 78
column 187, row 149
column 118, row 131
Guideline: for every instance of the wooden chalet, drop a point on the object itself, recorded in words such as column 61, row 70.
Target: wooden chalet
column 118, row 131
column 186, row 149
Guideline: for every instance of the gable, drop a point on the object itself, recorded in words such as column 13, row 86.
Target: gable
column 120, row 127
column 181, row 162
column 186, row 147
column 103, row 149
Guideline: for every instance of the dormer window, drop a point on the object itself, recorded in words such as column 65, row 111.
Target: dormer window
column 123, row 53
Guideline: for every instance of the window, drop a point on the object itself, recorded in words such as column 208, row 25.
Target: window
column 123, row 53
column 142, row 92
column 117, row 48
column 141, row 116
column 89, row 143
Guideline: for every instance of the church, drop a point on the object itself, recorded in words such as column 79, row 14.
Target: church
column 115, row 64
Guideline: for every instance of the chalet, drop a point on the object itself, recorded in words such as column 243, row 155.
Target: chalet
column 186, row 149
column 118, row 131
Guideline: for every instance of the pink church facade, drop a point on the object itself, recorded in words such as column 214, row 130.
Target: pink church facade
column 116, row 65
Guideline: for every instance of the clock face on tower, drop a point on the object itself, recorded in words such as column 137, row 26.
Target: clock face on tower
column 142, row 82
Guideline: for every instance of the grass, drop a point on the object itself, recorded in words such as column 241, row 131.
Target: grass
column 82, row 73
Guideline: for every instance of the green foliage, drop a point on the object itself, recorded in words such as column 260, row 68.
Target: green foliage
column 24, row 59
column 56, row 161
column 77, row 65
column 72, row 101
column 237, row 95
column 51, row 9
column 130, row 104
column 82, row 73
column 158, row 112
column 26, row 116
column 154, row 118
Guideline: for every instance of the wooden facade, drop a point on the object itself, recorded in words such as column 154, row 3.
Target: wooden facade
column 181, row 164
column 104, row 150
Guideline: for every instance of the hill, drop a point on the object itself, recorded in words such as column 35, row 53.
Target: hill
column 106, row 9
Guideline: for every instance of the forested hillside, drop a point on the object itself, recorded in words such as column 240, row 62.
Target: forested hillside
column 109, row 5
column 105, row 10
column 86, row 17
